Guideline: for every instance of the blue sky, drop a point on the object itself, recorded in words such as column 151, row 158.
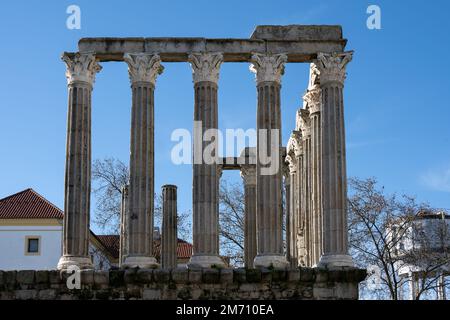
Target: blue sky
column 396, row 97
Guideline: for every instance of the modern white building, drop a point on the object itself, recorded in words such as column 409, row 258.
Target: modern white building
column 423, row 250
column 31, row 235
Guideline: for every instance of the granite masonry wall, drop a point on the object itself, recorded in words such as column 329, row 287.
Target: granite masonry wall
column 185, row 284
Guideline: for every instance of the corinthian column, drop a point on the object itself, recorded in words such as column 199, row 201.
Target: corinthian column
column 169, row 238
column 205, row 72
column 313, row 102
column 333, row 163
column 81, row 70
column 269, row 212
column 143, row 70
column 306, row 203
column 248, row 174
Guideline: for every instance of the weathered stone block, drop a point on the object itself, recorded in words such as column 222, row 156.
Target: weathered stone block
column 321, row 275
column 279, row 275
column 226, row 276
column 180, row 275
column 239, row 275
column 42, row 276
column 185, row 293
column 306, row 274
column 297, row 32
column 131, row 276
column 54, row 277
column 323, row 293
column 293, row 275
column 104, row 294
column 145, row 276
column 211, row 276
column 25, row 277
column 87, row 277
column 195, row 276
column 116, row 278
column 101, row 279
column 26, row 294
column 266, row 275
column 253, row 275
column 161, row 275
column 151, row 294
column 10, row 279
column 47, row 294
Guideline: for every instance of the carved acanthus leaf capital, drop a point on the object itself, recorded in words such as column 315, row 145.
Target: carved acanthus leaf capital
column 205, row 66
column 143, row 67
column 268, row 67
column 304, row 122
column 314, row 76
column 248, row 174
column 313, row 100
column 81, row 67
column 332, row 66
column 291, row 162
column 295, row 146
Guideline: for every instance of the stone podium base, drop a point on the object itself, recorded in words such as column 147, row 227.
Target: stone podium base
column 185, row 284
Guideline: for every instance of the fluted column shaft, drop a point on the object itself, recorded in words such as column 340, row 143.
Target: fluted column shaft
column 124, row 230
column 291, row 216
column 205, row 185
column 333, row 162
column 248, row 174
column 169, row 238
column 143, row 70
column 313, row 102
column 81, row 69
column 289, row 225
column 306, row 173
column 269, row 211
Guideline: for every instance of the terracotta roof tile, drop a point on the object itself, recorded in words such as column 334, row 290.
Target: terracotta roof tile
column 28, row 204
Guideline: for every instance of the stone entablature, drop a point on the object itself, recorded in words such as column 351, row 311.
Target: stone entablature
column 300, row 43
column 185, row 284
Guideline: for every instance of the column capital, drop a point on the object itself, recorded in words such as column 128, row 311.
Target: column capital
column 332, row 66
column 268, row 67
column 81, row 67
column 314, row 76
column 248, row 174
column 291, row 163
column 143, row 67
column 205, row 66
column 313, row 100
column 294, row 145
column 304, row 122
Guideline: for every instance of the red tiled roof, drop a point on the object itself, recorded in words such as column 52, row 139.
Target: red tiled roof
column 112, row 244
column 28, row 204
column 184, row 249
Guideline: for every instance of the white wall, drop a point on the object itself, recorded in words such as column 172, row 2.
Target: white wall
column 12, row 247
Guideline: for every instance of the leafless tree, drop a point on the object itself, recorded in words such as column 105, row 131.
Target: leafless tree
column 231, row 221
column 109, row 176
column 380, row 228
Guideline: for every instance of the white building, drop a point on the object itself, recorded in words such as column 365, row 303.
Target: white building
column 31, row 235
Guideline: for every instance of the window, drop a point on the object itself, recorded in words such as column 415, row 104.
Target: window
column 32, row 245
